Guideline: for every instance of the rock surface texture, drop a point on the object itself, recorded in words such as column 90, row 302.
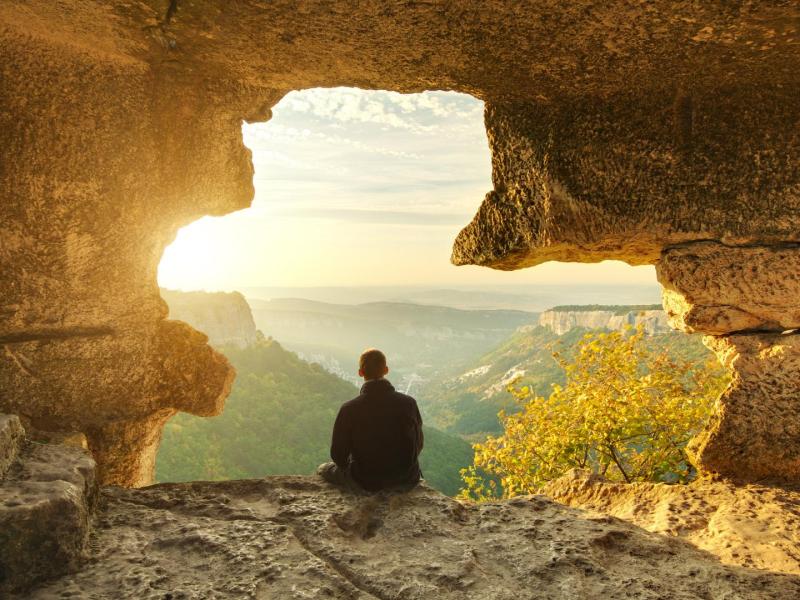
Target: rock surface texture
column 752, row 525
column 617, row 129
column 297, row 537
column 717, row 289
column 46, row 502
column 755, row 432
column 12, row 436
column 748, row 300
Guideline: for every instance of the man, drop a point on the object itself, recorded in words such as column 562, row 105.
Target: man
column 377, row 436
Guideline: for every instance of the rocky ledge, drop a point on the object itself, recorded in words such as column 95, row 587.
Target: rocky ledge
column 298, row 537
column 47, row 494
column 753, row 525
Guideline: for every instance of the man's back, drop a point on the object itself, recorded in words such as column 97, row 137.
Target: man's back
column 379, row 433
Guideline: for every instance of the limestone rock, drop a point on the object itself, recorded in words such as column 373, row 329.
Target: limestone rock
column 126, row 451
column 45, row 508
column 188, row 375
column 225, row 318
column 562, row 321
column 11, row 438
column 297, row 537
column 583, row 181
column 717, row 289
column 754, row 433
column 754, row 526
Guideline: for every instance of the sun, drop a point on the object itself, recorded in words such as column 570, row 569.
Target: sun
column 193, row 256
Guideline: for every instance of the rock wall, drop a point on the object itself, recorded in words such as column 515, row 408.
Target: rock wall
column 617, row 130
column 584, row 179
column 561, row 321
column 225, row 318
column 745, row 298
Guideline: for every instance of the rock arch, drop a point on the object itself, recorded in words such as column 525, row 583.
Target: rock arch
column 665, row 132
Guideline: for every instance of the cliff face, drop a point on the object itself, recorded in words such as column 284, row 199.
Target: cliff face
column 224, row 317
column 653, row 321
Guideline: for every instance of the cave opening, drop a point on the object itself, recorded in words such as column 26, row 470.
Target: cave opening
column 358, row 196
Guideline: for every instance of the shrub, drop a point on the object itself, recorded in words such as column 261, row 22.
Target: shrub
column 626, row 412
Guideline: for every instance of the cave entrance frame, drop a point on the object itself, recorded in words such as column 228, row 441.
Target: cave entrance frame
column 373, row 118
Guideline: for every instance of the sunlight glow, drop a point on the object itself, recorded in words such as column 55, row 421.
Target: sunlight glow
column 359, row 187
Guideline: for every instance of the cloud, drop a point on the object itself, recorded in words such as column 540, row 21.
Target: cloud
column 368, row 216
column 414, row 159
column 418, row 113
column 266, row 135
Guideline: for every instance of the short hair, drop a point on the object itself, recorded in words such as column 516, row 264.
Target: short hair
column 372, row 363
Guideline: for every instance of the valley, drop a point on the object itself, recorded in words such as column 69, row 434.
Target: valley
column 422, row 342
column 296, row 362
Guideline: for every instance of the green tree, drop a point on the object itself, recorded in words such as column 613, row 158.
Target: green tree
column 626, row 412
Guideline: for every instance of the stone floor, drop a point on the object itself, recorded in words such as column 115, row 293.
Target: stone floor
column 298, row 537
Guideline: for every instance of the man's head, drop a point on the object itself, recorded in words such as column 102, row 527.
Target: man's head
column 372, row 364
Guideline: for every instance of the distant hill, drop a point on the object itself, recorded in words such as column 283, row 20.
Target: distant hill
column 278, row 421
column 421, row 341
column 526, row 297
column 617, row 309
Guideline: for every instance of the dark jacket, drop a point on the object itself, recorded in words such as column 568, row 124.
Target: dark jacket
column 378, row 436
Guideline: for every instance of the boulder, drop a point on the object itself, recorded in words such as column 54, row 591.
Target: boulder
column 46, row 501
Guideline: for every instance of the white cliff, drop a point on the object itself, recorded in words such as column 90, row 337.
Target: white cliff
column 562, row 321
column 225, row 318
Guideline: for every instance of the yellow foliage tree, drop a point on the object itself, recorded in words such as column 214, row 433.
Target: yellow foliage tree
column 626, row 412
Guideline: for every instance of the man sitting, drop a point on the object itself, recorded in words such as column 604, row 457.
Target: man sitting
column 377, row 436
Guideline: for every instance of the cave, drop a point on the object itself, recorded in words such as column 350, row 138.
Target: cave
column 665, row 133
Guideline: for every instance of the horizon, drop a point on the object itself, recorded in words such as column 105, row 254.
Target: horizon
column 534, row 298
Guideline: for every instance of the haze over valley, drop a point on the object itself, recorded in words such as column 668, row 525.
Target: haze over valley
column 296, row 362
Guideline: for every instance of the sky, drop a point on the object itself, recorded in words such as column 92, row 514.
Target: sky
column 360, row 188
